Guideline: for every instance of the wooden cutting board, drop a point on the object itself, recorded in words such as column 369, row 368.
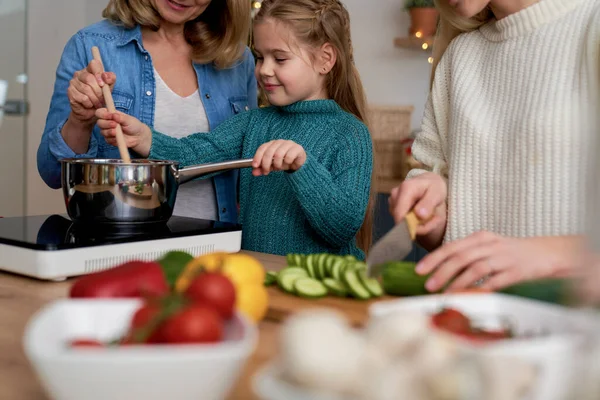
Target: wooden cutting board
column 282, row 305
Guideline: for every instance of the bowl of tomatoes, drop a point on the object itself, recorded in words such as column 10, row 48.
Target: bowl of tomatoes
column 173, row 346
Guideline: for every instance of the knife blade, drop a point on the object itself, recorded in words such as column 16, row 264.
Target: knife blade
column 393, row 246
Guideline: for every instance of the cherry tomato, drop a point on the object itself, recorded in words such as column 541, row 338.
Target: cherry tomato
column 214, row 289
column 197, row 323
column 451, row 320
column 86, row 343
column 141, row 319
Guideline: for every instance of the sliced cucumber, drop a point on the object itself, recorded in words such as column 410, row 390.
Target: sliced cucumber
column 298, row 260
column 336, row 270
column 372, row 285
column 329, row 261
column 350, row 258
column 310, row 288
column 286, row 281
column 351, row 279
column 270, row 278
column 290, row 259
column 321, row 264
column 294, row 270
column 337, row 288
column 310, row 266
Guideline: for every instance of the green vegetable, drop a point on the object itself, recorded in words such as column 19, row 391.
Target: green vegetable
column 554, row 291
column 336, row 274
column 351, row 279
column 400, row 279
column 270, row 278
column 337, row 288
column 309, row 287
column 173, row 263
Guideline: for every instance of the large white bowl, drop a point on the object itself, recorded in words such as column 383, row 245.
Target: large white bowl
column 182, row 372
column 555, row 348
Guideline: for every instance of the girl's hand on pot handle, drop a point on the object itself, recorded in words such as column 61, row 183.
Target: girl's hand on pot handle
column 426, row 195
column 278, row 155
column 85, row 91
column 137, row 135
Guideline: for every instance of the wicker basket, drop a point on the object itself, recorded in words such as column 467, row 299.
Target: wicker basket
column 389, row 126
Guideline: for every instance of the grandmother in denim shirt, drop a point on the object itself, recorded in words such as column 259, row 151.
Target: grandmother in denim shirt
column 180, row 67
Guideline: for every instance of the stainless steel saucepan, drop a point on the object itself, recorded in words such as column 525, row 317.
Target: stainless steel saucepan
column 108, row 191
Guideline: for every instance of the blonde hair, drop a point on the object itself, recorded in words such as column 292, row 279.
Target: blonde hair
column 314, row 23
column 216, row 36
column 451, row 25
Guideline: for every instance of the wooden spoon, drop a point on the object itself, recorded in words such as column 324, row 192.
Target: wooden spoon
column 110, row 105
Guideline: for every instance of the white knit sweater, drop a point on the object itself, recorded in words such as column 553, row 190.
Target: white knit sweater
column 508, row 121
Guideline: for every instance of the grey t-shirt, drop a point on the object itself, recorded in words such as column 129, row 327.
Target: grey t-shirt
column 178, row 117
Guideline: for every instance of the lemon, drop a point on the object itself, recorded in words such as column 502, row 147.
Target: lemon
column 253, row 301
column 240, row 268
column 243, row 269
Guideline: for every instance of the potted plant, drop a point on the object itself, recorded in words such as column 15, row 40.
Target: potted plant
column 424, row 17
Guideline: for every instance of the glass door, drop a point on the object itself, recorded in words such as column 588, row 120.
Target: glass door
column 13, row 107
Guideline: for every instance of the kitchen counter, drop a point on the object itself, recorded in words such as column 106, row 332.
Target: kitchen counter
column 21, row 297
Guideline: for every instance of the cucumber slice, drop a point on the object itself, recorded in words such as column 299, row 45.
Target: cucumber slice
column 337, row 288
column 310, row 266
column 372, row 285
column 350, row 258
column 321, row 263
column 270, row 278
column 294, row 270
column 286, row 281
column 329, row 261
column 360, row 266
column 351, row 279
column 310, row 288
column 336, row 270
column 298, row 260
column 290, row 259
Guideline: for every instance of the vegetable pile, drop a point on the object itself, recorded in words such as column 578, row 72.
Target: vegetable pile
column 317, row 275
column 185, row 299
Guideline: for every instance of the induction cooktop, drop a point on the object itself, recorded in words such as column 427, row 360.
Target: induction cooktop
column 53, row 247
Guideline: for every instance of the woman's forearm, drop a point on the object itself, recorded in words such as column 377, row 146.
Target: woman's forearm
column 77, row 134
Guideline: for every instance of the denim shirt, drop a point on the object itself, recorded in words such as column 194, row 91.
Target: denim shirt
column 224, row 93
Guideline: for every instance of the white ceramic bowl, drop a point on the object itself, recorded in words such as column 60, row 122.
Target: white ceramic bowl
column 182, row 372
column 555, row 348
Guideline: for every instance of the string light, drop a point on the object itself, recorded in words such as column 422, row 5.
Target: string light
column 425, row 46
column 419, row 34
column 256, row 4
column 430, row 60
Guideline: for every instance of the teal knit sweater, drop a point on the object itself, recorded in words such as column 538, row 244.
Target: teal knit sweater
column 318, row 208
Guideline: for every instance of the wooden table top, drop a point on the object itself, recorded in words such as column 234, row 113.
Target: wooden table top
column 21, row 297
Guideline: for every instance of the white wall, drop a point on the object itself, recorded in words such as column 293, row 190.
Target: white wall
column 12, row 128
column 51, row 24
column 390, row 75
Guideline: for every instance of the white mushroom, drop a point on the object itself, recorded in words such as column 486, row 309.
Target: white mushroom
column 398, row 333
column 321, row 351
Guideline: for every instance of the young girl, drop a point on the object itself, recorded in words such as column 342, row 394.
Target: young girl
column 505, row 141
column 314, row 130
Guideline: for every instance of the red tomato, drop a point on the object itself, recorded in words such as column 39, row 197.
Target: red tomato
column 141, row 319
column 197, row 323
column 214, row 289
column 86, row 343
column 451, row 320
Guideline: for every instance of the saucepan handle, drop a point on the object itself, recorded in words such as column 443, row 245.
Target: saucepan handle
column 196, row 171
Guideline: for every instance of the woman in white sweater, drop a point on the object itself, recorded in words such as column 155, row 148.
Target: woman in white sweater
column 504, row 141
